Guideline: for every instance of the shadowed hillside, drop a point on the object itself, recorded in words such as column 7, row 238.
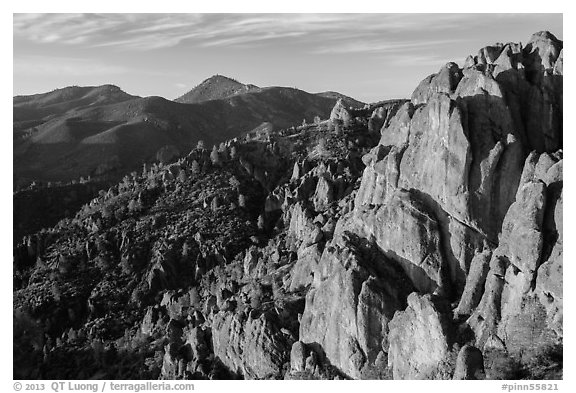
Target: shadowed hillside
column 57, row 102
column 83, row 134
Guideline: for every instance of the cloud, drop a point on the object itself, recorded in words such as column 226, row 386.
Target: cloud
column 384, row 35
column 66, row 28
column 153, row 31
column 383, row 46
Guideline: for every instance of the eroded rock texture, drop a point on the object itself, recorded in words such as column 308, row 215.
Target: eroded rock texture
column 464, row 193
column 253, row 348
column 419, row 339
column 354, row 296
column 514, row 308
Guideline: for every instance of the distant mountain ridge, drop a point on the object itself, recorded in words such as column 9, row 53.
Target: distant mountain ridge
column 59, row 101
column 219, row 87
column 81, row 131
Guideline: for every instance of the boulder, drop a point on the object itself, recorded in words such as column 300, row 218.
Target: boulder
column 298, row 357
column 253, row 348
column 419, row 339
column 489, row 54
column 469, row 364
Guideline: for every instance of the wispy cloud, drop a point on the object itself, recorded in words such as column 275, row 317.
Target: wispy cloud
column 383, row 46
column 67, row 28
column 329, row 32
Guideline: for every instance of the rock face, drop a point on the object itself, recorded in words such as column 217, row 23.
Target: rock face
column 419, row 254
column 460, row 147
column 253, row 347
column 348, row 310
column 419, row 339
column 445, row 81
column 302, row 274
column 452, row 196
column 301, row 226
column 530, row 251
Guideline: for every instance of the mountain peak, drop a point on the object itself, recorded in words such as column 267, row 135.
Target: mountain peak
column 217, row 78
column 214, row 88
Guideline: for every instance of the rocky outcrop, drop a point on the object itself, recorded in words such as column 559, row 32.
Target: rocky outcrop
column 475, row 280
column 340, row 112
column 419, row 254
column 532, row 82
column 382, row 115
column 432, row 154
column 445, row 81
column 298, row 357
column 324, row 194
column 186, row 355
column 520, row 314
column 469, row 364
column 251, row 347
column 301, row 225
column 460, row 146
column 302, row 274
column 377, row 119
column 419, row 339
column 348, row 310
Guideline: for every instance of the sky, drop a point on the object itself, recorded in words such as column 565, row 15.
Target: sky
column 370, row 57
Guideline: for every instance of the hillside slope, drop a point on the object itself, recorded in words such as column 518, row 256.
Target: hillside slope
column 117, row 138
column 348, row 101
column 38, row 106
